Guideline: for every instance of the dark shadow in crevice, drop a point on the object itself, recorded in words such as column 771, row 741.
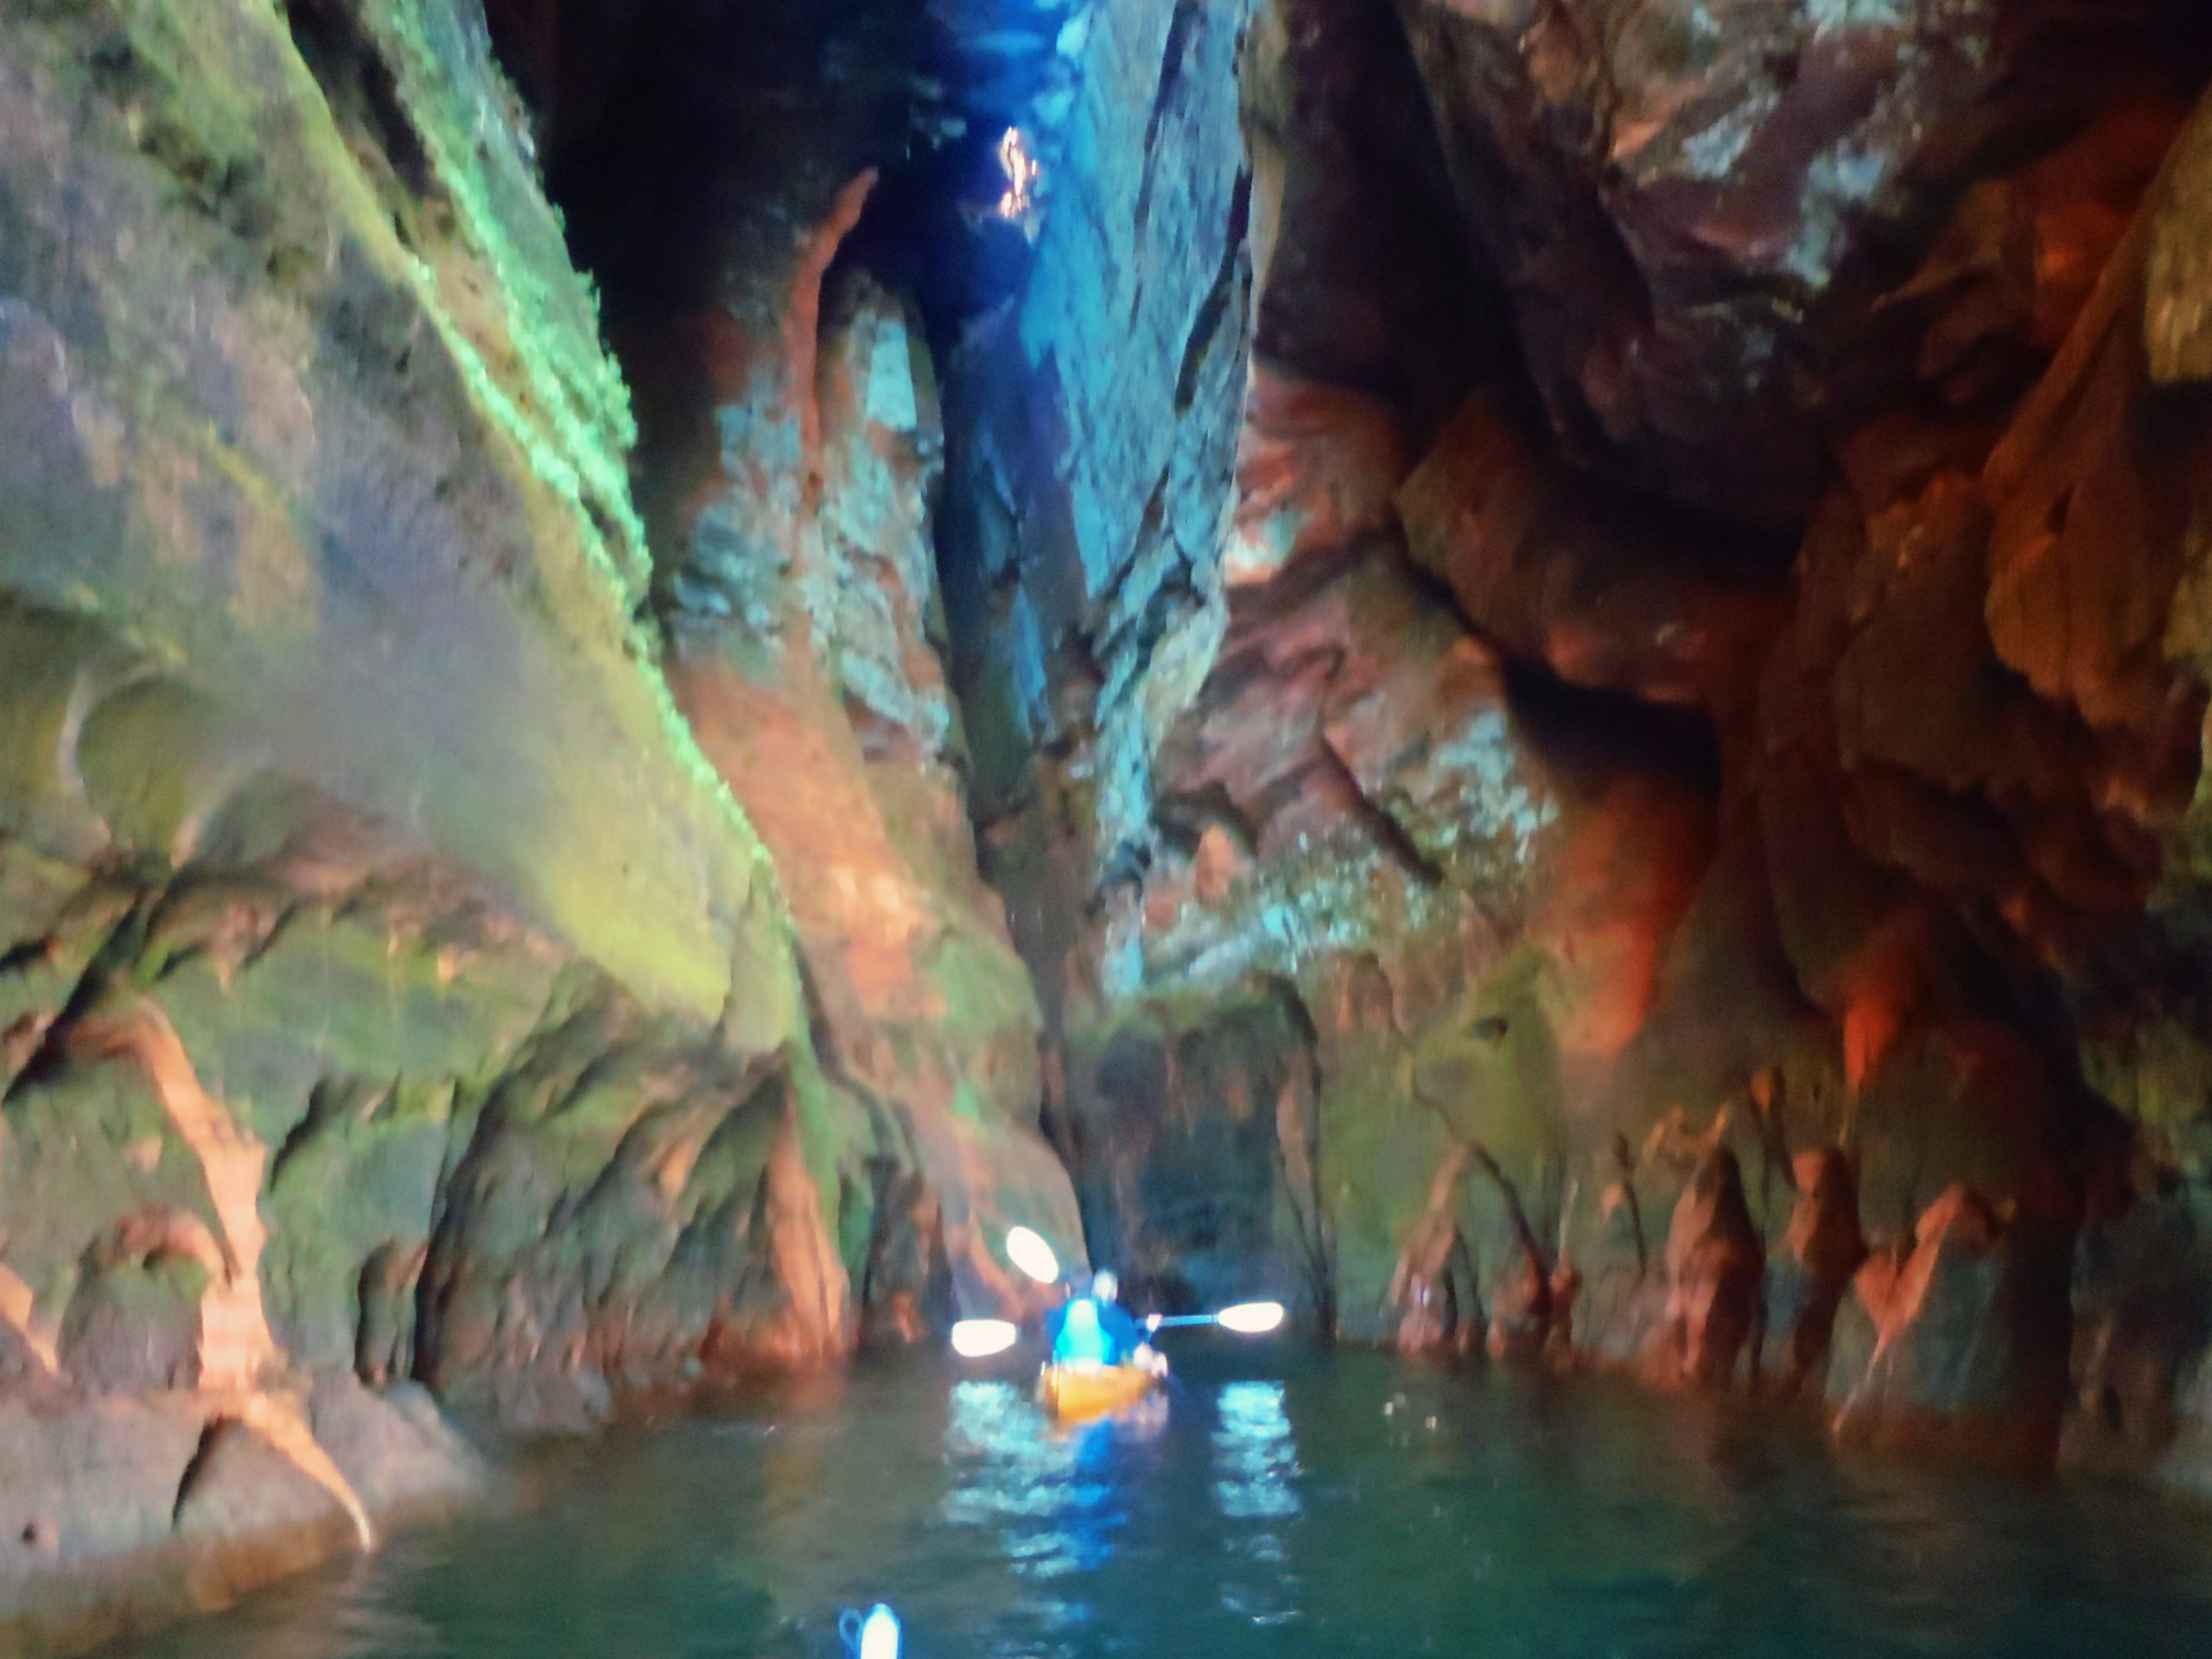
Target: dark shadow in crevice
column 1596, row 734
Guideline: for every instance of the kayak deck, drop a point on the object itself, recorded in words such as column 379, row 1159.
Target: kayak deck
column 1073, row 1392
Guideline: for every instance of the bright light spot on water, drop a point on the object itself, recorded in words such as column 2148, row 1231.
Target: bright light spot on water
column 1046, row 1495
column 1255, row 1458
column 1256, row 1463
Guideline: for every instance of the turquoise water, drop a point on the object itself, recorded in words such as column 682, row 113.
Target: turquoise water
column 1334, row 1507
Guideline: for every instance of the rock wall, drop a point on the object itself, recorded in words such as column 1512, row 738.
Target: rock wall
column 441, row 944
column 1658, row 828
column 1534, row 674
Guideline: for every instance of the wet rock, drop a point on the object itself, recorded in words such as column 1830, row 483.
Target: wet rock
column 1522, row 1310
column 1809, row 1277
column 627, row 1215
column 238, row 1484
column 1955, row 1339
column 1715, row 1267
column 906, row 1290
column 1435, row 1271
column 1683, row 202
column 123, row 1513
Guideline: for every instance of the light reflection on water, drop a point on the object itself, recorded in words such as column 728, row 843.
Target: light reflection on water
column 1347, row 1507
column 1255, row 1464
column 1042, row 1498
column 1255, row 1458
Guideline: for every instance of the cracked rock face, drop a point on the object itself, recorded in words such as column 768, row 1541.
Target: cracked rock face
column 1703, row 719
column 1531, row 674
column 434, row 950
column 1692, row 205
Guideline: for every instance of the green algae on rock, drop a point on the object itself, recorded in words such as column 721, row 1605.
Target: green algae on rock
column 391, row 987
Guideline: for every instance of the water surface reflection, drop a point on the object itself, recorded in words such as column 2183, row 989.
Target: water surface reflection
column 1332, row 1508
column 1042, row 1497
column 1255, row 1468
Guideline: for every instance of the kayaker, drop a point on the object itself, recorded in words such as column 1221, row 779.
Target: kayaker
column 1113, row 1319
column 1079, row 1337
column 1094, row 1330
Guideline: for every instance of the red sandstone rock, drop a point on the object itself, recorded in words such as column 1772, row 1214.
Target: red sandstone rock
column 1316, row 466
column 1821, row 1253
column 105, row 1490
column 1967, row 1326
column 1356, row 286
column 1681, row 201
column 1434, row 1266
column 806, row 668
column 1949, row 760
column 2093, row 500
column 1715, row 1268
column 1611, row 591
column 1522, row 1312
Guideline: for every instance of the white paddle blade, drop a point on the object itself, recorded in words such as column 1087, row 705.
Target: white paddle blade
column 1250, row 1319
column 1028, row 1251
column 978, row 1339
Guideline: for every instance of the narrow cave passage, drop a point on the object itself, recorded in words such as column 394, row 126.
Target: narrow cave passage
column 679, row 682
column 1408, row 621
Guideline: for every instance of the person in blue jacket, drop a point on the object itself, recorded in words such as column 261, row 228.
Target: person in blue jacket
column 1094, row 1330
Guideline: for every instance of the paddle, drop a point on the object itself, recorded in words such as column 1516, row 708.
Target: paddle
column 1027, row 1250
column 1246, row 1319
column 980, row 1338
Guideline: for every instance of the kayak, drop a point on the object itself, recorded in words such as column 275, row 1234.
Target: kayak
column 1072, row 1393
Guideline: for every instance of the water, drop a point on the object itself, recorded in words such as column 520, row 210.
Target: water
column 1332, row 1508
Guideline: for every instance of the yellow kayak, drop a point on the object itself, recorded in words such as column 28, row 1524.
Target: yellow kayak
column 1072, row 1393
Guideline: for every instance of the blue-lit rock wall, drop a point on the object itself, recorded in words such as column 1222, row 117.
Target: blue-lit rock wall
column 1577, row 857
column 1100, row 417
